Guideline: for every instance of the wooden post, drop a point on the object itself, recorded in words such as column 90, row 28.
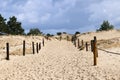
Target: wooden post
column 33, row 48
column 37, row 47
column 75, row 43
column 7, row 48
column 86, row 46
column 43, row 42
column 95, row 39
column 24, row 48
column 67, row 38
column 47, row 37
column 78, row 43
column 60, row 38
column 94, row 53
column 82, row 43
column 72, row 39
column 92, row 45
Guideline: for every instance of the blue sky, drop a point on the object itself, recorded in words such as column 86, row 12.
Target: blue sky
column 53, row 16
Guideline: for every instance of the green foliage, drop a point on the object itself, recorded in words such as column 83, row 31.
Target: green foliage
column 11, row 27
column 3, row 26
column 34, row 31
column 64, row 33
column 49, row 35
column 14, row 27
column 77, row 32
column 105, row 26
column 59, row 33
column 74, row 37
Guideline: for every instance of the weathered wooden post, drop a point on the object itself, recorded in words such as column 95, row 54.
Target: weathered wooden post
column 92, row 45
column 60, row 38
column 75, row 43
column 82, row 43
column 47, row 37
column 33, row 48
column 86, row 46
column 95, row 39
column 78, row 43
column 43, row 42
column 94, row 52
column 7, row 51
column 72, row 39
column 24, row 48
column 37, row 47
column 67, row 38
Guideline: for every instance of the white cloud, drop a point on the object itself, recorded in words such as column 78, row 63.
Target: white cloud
column 62, row 14
column 42, row 11
column 45, row 17
column 21, row 16
column 38, row 11
column 105, row 10
column 4, row 3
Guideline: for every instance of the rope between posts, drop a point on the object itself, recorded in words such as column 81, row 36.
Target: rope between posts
column 108, row 51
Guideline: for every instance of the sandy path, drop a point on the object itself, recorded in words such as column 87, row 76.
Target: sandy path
column 60, row 61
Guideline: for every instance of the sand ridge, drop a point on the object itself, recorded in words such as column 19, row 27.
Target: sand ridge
column 60, row 60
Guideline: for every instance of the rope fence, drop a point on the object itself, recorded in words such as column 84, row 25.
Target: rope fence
column 109, row 51
column 83, row 45
column 36, row 47
column 24, row 47
column 93, row 46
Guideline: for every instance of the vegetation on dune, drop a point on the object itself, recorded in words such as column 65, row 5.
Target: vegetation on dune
column 64, row 33
column 3, row 26
column 49, row 35
column 34, row 31
column 105, row 26
column 12, row 26
column 59, row 33
column 77, row 32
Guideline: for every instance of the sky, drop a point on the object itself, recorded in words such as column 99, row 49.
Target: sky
column 52, row 16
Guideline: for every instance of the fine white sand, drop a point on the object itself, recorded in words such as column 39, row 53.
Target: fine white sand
column 100, row 35
column 60, row 60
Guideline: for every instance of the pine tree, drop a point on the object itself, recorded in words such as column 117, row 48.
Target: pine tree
column 105, row 26
column 14, row 27
column 3, row 26
column 34, row 31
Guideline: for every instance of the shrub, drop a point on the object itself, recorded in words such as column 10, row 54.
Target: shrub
column 59, row 33
column 105, row 26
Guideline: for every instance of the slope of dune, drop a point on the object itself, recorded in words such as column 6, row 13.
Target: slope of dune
column 100, row 35
column 60, row 60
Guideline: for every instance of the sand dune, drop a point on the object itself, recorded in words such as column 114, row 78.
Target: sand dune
column 60, row 60
column 100, row 35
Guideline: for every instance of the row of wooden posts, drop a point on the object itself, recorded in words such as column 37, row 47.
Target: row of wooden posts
column 38, row 47
column 93, row 44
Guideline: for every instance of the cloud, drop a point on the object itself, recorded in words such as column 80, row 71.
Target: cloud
column 105, row 10
column 64, row 15
column 45, row 8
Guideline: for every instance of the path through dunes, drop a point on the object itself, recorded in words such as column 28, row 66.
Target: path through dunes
column 58, row 60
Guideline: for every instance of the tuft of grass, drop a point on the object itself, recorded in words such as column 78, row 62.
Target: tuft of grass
column 115, row 42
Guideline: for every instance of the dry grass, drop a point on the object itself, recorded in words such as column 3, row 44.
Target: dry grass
column 16, row 44
column 110, row 43
column 20, row 52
